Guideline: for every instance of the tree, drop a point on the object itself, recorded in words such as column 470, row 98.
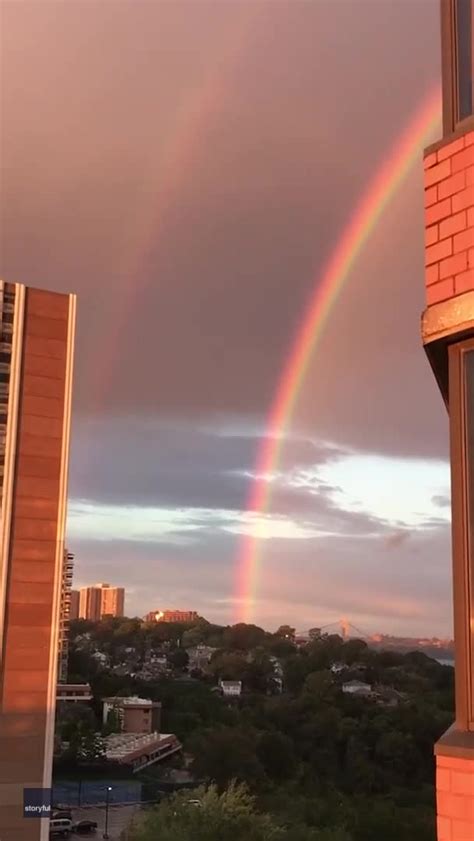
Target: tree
column 320, row 686
column 280, row 647
column 129, row 633
column 295, row 671
column 158, row 633
column 333, row 644
column 70, row 717
column 353, row 651
column 228, row 666
column 197, row 634
column 91, row 747
column 207, row 815
column 258, row 674
column 286, row 632
column 81, row 665
column 85, row 744
column 361, row 773
column 224, row 754
column 112, row 724
column 276, row 753
column 243, row 637
column 179, row 659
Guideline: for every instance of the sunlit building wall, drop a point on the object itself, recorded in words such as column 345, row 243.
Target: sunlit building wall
column 448, row 337
column 36, row 357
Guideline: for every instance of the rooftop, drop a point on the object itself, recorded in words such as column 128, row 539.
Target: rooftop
column 120, row 745
column 132, row 700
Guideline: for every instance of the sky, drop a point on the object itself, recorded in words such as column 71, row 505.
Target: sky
column 186, row 168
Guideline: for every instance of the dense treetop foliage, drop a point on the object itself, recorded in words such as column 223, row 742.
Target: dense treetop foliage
column 318, row 764
column 228, row 816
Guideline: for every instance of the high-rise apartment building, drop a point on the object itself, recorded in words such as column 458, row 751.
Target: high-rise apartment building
column 90, row 599
column 448, row 337
column 113, row 599
column 74, row 605
column 65, row 615
column 101, row 600
column 36, row 358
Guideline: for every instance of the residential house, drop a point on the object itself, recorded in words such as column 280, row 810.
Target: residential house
column 231, row 688
column 357, row 687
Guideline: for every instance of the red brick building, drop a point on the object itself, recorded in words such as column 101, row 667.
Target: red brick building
column 185, row 616
column 448, row 337
column 36, row 353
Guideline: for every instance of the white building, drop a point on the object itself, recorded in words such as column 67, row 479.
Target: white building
column 231, row 688
column 357, row 687
column 200, row 655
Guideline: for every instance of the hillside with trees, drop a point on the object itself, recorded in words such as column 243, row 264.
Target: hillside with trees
column 332, row 740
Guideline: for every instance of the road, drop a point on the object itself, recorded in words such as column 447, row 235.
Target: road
column 119, row 818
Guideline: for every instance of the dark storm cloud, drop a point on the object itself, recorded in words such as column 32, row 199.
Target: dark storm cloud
column 318, row 509
column 170, row 463
column 181, row 466
column 143, row 463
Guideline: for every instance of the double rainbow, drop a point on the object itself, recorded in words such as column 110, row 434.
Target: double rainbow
column 328, row 286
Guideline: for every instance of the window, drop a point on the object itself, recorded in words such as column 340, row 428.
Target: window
column 461, row 411
column 464, row 57
column 458, row 62
column 469, row 466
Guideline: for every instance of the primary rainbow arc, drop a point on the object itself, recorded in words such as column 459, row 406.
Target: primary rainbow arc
column 328, row 286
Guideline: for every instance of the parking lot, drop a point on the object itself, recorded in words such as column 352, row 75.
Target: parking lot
column 119, row 819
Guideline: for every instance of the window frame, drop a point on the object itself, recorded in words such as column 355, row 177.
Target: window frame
column 462, row 495
column 451, row 120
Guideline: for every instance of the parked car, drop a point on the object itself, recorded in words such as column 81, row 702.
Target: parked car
column 85, row 827
column 60, row 827
column 57, row 814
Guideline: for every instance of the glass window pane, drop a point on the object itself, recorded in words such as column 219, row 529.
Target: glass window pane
column 469, row 441
column 469, row 385
column 464, row 49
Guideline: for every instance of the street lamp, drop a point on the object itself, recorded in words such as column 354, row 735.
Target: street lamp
column 107, row 795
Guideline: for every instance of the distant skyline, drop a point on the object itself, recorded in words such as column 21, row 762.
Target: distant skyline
column 186, row 169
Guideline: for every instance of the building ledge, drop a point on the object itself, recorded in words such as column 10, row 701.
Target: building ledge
column 441, row 325
column 448, row 317
column 463, row 128
column 456, row 743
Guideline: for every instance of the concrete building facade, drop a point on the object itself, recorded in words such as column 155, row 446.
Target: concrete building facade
column 101, row 600
column 64, row 615
column 74, row 605
column 36, row 358
column 112, row 602
column 90, row 600
column 136, row 715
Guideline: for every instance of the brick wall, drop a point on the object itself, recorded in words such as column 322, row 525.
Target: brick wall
column 449, row 219
column 449, row 272
column 455, row 798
